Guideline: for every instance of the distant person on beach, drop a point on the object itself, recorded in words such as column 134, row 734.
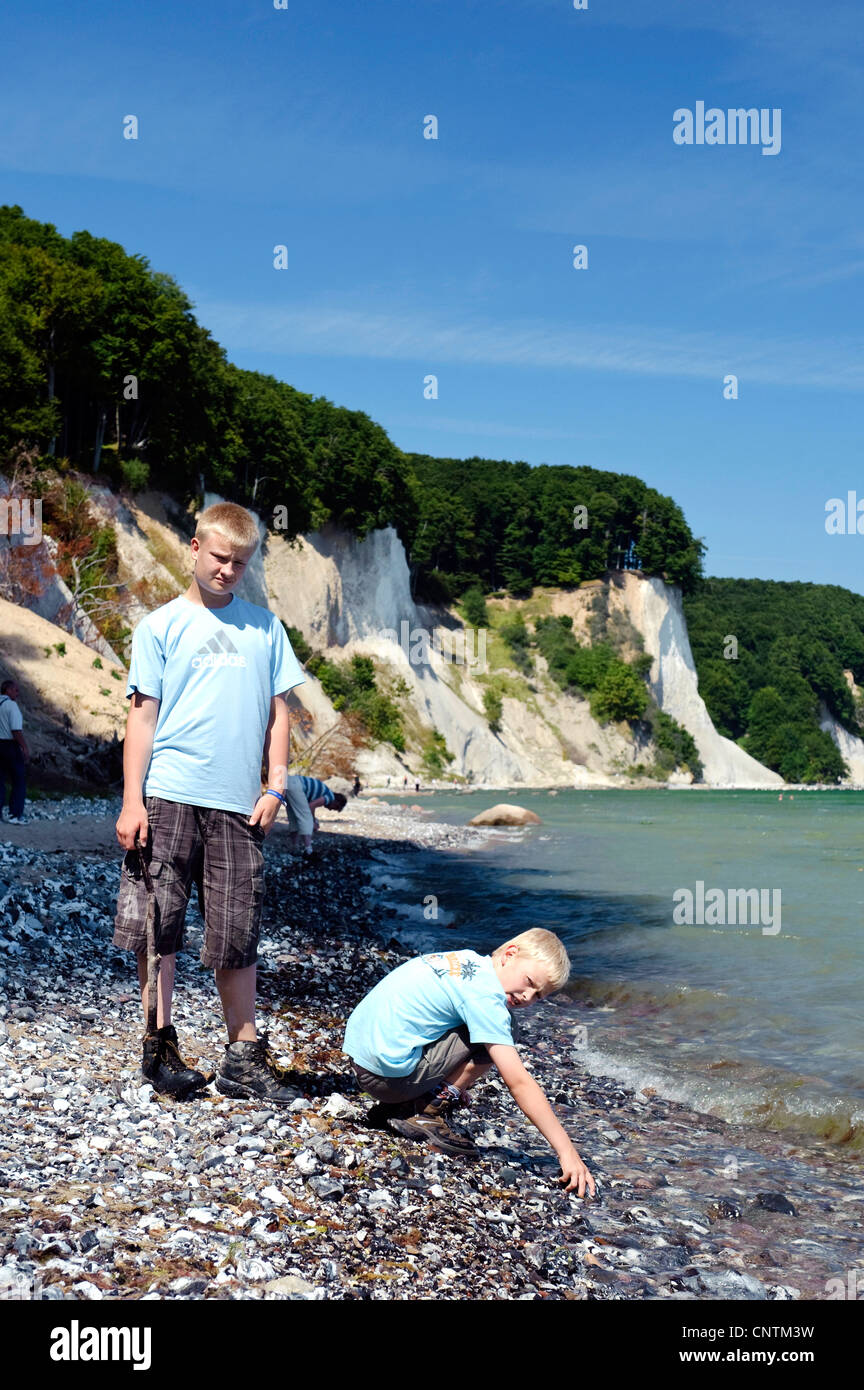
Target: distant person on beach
column 434, row 1026
column 357, row 787
column 14, row 754
column 207, row 686
column 302, row 797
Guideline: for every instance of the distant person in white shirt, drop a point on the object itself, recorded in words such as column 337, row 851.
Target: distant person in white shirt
column 14, row 754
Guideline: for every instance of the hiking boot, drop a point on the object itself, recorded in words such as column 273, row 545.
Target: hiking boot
column 249, row 1071
column 430, row 1126
column 164, row 1068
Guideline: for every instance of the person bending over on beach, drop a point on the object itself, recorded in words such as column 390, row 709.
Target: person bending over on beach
column 434, row 1026
column 302, row 797
column 207, row 684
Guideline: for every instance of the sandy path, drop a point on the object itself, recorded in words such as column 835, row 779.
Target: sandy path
column 87, row 834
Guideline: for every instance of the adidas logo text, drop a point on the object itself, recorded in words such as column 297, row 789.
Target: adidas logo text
column 219, row 651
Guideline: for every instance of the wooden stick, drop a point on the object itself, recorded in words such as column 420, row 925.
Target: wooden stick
column 154, row 960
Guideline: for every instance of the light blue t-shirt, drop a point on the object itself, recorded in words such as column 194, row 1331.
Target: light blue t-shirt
column 421, row 1001
column 214, row 671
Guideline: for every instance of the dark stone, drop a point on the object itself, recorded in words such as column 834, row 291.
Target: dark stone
column 326, row 1188
column 87, row 1240
column 323, row 1149
column 380, row 1245
column 196, row 1288
column 775, row 1201
column 724, row 1208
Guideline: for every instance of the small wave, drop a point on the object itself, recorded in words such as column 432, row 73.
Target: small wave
column 781, row 1107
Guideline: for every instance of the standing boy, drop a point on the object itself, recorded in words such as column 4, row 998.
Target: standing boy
column 207, row 683
column 434, row 1026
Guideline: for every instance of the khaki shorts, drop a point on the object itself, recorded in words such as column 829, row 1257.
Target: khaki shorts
column 438, row 1060
column 218, row 851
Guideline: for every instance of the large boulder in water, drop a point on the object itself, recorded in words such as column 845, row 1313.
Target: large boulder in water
column 505, row 813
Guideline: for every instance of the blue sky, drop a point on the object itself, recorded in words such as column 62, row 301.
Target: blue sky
column 453, row 257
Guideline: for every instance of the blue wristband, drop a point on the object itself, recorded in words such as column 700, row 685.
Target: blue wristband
column 270, row 792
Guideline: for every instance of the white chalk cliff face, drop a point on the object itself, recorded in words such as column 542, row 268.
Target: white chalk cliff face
column 350, row 596
column 344, row 595
column 851, row 747
column 656, row 610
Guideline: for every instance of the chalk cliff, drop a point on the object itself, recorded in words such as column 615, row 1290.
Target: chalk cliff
column 347, row 596
column 657, row 612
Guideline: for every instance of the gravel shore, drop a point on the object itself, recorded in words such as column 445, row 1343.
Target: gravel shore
column 109, row 1191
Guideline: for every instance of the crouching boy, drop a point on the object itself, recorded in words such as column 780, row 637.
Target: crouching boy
column 434, row 1026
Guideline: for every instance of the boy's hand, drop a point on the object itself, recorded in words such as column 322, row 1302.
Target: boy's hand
column 575, row 1174
column 265, row 812
column 132, row 822
column 532, row 1102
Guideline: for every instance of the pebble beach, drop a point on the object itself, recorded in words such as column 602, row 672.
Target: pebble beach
column 108, row 1191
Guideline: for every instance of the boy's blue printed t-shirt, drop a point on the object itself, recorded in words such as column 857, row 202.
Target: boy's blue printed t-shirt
column 214, row 671
column 421, row 1001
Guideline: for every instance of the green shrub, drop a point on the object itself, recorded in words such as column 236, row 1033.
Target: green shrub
column 299, row 645
column 474, row 607
column 514, row 632
column 619, row 695
column 350, row 686
column 676, row 746
column 135, row 474
column 493, row 705
column 588, row 666
column 435, row 753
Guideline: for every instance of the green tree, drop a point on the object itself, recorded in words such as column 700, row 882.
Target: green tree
column 474, row 607
column 620, row 695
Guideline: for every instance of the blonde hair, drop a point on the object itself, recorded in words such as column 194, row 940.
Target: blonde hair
column 544, row 947
column 238, row 526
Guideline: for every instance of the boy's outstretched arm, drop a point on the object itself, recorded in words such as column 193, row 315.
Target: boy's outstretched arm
column 532, row 1102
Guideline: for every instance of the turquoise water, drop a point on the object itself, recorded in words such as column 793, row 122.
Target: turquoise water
column 746, row 1021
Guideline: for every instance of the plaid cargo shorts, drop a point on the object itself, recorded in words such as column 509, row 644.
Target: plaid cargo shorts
column 438, row 1060
column 218, row 851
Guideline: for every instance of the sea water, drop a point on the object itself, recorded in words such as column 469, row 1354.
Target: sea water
column 760, row 1021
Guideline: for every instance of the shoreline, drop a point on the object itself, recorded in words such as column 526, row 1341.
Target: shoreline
column 120, row 1194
